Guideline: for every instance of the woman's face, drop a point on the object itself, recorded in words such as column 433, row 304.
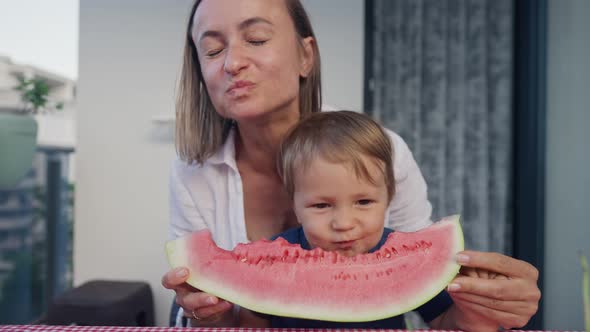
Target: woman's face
column 251, row 58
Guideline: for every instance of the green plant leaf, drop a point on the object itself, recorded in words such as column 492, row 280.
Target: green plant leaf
column 409, row 326
column 585, row 289
column 34, row 95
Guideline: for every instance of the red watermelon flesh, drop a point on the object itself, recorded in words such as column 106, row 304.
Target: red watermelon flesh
column 279, row 278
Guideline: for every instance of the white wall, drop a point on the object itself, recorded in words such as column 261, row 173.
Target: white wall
column 568, row 156
column 340, row 26
column 129, row 58
column 130, row 54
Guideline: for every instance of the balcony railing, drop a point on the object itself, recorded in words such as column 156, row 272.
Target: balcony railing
column 36, row 221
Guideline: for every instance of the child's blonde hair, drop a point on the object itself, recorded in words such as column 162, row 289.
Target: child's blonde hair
column 342, row 137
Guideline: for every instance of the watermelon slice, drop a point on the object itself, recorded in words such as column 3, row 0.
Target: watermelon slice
column 278, row 278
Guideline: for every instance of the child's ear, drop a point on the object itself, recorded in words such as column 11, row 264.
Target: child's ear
column 294, row 214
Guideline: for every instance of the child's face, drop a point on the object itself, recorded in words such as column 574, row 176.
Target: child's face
column 339, row 211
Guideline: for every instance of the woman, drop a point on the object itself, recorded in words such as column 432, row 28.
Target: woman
column 251, row 70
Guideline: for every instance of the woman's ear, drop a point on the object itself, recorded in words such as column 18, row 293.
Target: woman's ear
column 307, row 56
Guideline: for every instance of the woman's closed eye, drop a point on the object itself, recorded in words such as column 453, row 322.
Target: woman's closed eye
column 213, row 53
column 257, row 42
column 210, row 46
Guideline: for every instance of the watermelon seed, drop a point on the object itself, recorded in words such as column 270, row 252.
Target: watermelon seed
column 388, row 255
column 243, row 259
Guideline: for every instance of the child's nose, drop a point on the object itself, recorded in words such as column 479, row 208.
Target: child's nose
column 343, row 220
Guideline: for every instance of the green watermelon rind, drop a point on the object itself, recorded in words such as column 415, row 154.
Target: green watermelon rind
column 177, row 256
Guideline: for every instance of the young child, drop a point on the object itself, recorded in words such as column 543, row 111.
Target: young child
column 338, row 169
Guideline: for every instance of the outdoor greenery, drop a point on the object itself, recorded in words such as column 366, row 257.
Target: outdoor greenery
column 23, row 278
column 35, row 96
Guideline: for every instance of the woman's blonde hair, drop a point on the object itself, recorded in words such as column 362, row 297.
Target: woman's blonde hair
column 200, row 130
column 341, row 137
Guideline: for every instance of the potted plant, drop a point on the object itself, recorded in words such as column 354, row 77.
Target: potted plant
column 585, row 290
column 18, row 131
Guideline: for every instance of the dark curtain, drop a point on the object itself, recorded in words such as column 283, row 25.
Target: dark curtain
column 440, row 75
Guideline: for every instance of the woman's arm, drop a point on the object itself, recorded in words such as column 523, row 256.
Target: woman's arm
column 409, row 209
column 201, row 308
column 184, row 213
column 492, row 290
column 509, row 295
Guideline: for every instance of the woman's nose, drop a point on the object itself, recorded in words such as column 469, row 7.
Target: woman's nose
column 235, row 60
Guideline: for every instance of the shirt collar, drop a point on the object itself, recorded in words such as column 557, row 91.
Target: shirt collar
column 227, row 153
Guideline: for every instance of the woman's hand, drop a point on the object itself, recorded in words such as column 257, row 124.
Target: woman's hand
column 496, row 288
column 202, row 308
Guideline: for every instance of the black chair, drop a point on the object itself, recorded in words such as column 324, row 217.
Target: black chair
column 104, row 303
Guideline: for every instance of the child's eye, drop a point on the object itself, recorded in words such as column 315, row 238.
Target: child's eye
column 365, row 201
column 321, row 205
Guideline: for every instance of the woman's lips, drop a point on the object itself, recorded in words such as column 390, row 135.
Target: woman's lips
column 240, row 88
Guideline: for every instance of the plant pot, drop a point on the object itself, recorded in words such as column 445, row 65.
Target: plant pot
column 18, row 143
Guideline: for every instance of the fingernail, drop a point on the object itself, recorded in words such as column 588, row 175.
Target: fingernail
column 181, row 273
column 453, row 287
column 462, row 259
column 211, row 300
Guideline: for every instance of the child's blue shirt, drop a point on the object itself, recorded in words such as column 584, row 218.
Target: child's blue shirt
column 429, row 311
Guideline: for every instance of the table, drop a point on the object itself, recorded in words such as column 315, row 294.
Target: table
column 54, row 328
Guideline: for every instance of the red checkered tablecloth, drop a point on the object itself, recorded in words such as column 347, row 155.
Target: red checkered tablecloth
column 53, row 328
